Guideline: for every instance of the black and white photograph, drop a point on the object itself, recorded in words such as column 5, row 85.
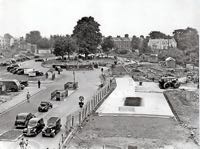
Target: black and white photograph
column 99, row 74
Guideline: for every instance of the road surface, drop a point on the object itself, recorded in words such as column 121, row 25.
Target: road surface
column 88, row 84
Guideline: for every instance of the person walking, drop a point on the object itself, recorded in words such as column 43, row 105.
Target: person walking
column 22, row 143
column 39, row 83
column 28, row 97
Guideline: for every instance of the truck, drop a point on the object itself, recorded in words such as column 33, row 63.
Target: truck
column 12, row 85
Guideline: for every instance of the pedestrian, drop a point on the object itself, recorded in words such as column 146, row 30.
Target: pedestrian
column 22, row 143
column 39, row 83
column 28, row 97
column 26, row 143
column 47, row 75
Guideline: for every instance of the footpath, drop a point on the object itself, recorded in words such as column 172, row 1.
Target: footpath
column 19, row 99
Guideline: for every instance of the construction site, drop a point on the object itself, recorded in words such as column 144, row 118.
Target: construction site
column 151, row 106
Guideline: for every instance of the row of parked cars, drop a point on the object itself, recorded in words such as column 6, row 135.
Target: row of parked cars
column 34, row 125
column 16, row 69
column 14, row 60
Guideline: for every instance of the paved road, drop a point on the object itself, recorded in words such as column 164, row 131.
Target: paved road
column 88, row 84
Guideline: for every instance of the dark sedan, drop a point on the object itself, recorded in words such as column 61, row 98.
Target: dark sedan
column 44, row 106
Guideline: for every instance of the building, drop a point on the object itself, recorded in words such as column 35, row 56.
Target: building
column 43, row 51
column 170, row 62
column 122, row 42
column 162, row 43
column 2, row 42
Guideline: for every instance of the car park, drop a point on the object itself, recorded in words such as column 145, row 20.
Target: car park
column 34, row 127
column 44, row 106
column 22, row 119
column 53, row 127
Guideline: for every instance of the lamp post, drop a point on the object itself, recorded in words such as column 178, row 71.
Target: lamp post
column 74, row 76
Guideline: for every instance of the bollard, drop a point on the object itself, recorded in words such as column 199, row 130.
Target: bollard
column 140, row 83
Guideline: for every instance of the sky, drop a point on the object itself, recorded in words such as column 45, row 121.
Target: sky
column 116, row 17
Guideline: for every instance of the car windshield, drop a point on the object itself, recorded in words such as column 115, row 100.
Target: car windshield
column 43, row 104
column 21, row 117
column 32, row 123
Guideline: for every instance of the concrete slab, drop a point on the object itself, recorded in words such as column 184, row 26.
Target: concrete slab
column 153, row 101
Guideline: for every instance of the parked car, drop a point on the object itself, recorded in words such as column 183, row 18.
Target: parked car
column 53, row 127
column 22, row 119
column 20, row 71
column 12, row 66
column 24, row 82
column 12, row 85
column 58, row 68
column 44, row 106
column 39, row 60
column 13, row 69
column 35, row 126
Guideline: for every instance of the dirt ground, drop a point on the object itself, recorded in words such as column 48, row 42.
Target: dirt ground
column 117, row 132
column 143, row 132
column 186, row 105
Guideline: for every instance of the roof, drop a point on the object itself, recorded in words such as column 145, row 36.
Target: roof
column 35, row 119
column 52, row 120
column 169, row 59
column 23, row 114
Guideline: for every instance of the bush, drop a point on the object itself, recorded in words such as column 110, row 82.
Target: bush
column 122, row 51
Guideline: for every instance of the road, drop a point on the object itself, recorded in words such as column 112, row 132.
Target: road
column 88, row 84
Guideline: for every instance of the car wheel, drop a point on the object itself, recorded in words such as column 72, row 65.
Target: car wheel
column 176, row 85
column 166, row 85
column 53, row 134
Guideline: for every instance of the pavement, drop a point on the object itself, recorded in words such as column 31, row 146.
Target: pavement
column 153, row 102
column 20, row 98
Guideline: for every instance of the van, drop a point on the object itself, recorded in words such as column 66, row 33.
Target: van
column 12, row 85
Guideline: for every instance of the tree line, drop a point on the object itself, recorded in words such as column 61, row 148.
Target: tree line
column 86, row 38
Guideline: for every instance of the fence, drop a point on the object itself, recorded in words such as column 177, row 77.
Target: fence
column 75, row 120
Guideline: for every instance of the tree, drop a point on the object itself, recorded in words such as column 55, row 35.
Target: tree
column 135, row 42
column 186, row 38
column 87, row 35
column 107, row 44
column 70, row 45
column 33, row 37
column 43, row 43
column 157, row 35
column 64, row 45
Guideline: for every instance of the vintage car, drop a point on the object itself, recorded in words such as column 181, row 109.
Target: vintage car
column 44, row 106
column 22, row 119
column 24, row 82
column 35, row 126
column 53, row 127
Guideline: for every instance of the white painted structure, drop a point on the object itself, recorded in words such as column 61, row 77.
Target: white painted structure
column 153, row 100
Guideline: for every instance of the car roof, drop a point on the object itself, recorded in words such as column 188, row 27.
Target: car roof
column 44, row 102
column 52, row 119
column 23, row 114
column 35, row 119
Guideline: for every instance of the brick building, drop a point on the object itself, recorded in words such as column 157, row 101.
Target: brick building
column 122, row 42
